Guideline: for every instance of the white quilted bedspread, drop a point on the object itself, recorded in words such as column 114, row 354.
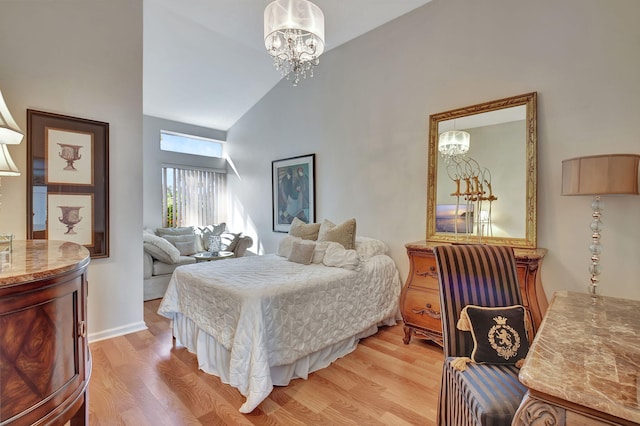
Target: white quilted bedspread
column 268, row 311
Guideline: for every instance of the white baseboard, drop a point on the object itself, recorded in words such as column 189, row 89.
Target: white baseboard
column 115, row 332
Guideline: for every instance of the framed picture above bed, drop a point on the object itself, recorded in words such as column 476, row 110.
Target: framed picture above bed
column 294, row 194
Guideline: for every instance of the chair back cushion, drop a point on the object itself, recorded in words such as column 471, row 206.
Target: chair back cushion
column 473, row 274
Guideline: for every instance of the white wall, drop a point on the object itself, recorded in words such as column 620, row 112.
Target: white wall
column 365, row 115
column 84, row 59
column 154, row 158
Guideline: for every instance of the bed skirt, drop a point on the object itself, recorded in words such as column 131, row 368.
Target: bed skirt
column 213, row 358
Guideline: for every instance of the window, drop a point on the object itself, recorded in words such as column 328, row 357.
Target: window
column 193, row 197
column 187, row 144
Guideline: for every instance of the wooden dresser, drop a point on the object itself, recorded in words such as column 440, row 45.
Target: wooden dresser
column 44, row 356
column 420, row 299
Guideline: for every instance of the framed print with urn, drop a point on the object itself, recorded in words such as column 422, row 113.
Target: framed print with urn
column 68, row 180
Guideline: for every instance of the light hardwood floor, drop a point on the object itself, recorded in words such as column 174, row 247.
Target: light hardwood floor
column 142, row 379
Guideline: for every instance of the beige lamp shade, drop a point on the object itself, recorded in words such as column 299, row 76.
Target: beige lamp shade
column 7, row 166
column 601, row 175
column 10, row 133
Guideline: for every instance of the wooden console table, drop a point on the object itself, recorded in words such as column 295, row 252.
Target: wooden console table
column 420, row 297
column 44, row 356
column 584, row 365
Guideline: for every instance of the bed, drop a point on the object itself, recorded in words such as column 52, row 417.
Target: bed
column 260, row 321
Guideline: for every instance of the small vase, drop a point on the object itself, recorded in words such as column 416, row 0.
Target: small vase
column 214, row 244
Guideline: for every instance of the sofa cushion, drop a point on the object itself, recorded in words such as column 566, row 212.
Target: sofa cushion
column 186, row 247
column 161, row 268
column 159, row 248
column 186, row 244
column 184, row 230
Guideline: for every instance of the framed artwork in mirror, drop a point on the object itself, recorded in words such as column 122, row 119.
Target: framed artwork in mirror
column 293, row 191
column 482, row 160
column 68, row 180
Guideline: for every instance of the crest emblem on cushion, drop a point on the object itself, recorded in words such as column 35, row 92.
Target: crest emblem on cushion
column 503, row 338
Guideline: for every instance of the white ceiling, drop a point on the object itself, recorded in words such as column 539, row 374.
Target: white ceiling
column 205, row 61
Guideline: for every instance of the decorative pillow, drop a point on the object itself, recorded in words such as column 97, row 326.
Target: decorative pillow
column 499, row 334
column 345, row 233
column 186, row 248
column 160, row 249
column 302, row 252
column 369, row 247
column 230, row 240
column 173, row 239
column 336, row 255
column 319, row 251
column 285, row 245
column 185, row 230
column 306, row 231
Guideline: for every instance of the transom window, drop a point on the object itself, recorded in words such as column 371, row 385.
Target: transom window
column 188, row 144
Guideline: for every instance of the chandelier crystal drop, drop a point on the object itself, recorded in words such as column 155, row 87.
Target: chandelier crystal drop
column 294, row 37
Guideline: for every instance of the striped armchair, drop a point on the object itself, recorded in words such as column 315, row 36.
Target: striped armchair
column 483, row 394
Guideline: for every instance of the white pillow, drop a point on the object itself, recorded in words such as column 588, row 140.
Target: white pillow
column 336, row 255
column 284, row 247
column 319, row 251
column 160, row 248
column 369, row 247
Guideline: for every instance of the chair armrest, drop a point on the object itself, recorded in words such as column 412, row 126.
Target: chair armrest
column 243, row 244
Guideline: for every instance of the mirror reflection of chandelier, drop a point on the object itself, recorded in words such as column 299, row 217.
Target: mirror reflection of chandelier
column 453, row 142
column 294, row 37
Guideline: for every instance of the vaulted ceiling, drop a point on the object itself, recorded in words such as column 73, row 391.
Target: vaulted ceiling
column 205, row 61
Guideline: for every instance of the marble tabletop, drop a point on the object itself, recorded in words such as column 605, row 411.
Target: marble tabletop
column 588, row 354
column 38, row 259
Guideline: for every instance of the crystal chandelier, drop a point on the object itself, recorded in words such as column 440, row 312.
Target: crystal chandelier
column 453, row 143
column 294, row 37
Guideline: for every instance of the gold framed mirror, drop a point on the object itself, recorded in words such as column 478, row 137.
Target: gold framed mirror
column 488, row 193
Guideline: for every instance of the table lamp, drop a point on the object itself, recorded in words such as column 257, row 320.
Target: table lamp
column 598, row 175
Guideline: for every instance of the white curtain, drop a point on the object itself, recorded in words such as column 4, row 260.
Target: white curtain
column 198, row 197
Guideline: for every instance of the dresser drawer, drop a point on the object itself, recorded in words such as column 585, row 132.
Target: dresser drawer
column 422, row 309
column 424, row 274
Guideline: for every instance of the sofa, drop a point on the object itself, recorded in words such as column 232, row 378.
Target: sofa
column 167, row 248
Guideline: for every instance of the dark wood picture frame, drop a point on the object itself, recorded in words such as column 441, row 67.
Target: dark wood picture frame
column 68, row 160
column 293, row 191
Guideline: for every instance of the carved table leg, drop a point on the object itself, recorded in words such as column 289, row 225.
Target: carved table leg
column 407, row 335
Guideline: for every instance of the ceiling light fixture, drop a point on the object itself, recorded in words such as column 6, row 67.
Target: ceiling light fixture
column 294, row 37
column 453, row 143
